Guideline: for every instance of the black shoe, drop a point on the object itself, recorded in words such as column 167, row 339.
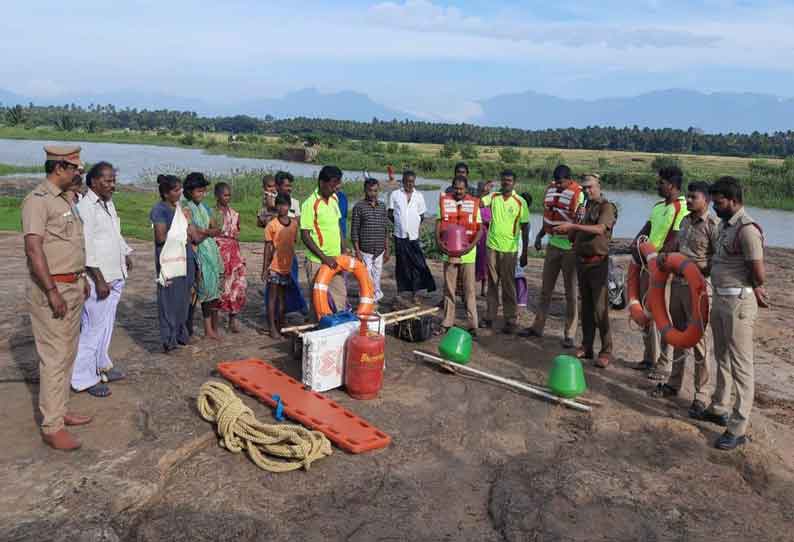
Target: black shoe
column 567, row 342
column 719, row 419
column 486, row 324
column 697, row 409
column 729, row 441
column 663, row 391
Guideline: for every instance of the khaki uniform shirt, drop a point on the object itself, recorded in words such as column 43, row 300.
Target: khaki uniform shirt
column 600, row 211
column 47, row 212
column 729, row 268
column 697, row 239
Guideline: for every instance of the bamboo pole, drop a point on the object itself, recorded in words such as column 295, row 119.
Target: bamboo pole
column 506, row 381
column 390, row 321
column 403, row 314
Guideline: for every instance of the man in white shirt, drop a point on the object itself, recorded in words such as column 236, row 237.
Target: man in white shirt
column 107, row 263
column 406, row 210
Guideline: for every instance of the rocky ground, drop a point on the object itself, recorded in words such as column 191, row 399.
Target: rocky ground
column 469, row 460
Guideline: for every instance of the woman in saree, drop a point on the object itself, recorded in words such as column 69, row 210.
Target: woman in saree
column 207, row 254
column 174, row 294
column 234, row 282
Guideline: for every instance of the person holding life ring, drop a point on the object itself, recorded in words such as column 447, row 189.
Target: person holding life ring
column 661, row 229
column 322, row 235
column 696, row 244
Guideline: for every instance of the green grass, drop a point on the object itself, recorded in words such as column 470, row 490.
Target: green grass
column 768, row 183
column 9, row 169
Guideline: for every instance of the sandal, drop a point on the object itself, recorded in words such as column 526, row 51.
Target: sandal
column 440, row 331
column 603, row 361
column 112, row 375
column 581, row 353
column 99, row 390
column 657, row 375
column 664, row 391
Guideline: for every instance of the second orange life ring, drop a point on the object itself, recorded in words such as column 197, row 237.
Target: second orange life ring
column 366, row 302
column 699, row 301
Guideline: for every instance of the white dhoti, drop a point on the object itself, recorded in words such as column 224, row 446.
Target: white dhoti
column 97, row 322
column 375, row 268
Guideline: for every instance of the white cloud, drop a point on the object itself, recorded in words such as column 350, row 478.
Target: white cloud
column 425, row 16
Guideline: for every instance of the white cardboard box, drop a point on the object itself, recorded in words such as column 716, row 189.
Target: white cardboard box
column 324, row 353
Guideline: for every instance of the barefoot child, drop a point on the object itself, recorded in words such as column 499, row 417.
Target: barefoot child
column 234, row 282
column 280, row 236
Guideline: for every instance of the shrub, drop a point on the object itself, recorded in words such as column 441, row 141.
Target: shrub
column 509, row 155
column 663, row 161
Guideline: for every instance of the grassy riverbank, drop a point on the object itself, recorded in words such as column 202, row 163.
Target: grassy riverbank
column 769, row 182
column 9, row 169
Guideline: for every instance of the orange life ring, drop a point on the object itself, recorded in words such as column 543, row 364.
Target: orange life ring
column 699, row 301
column 366, row 302
column 637, row 312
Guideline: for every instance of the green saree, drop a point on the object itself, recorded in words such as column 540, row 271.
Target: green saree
column 207, row 255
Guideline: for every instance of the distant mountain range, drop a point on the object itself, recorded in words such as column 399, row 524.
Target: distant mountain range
column 718, row 112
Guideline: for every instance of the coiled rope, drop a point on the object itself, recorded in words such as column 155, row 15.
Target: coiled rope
column 240, row 430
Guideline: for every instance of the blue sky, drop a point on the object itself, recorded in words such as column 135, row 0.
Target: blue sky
column 430, row 57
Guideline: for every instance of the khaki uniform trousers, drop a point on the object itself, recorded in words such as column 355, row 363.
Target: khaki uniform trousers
column 593, row 278
column 452, row 271
column 732, row 322
column 337, row 288
column 557, row 260
column 502, row 270
column 655, row 353
column 56, row 343
column 680, row 309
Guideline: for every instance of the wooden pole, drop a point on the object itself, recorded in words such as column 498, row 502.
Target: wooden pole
column 389, row 318
column 506, row 381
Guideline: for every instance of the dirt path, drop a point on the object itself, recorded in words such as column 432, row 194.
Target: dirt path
column 469, row 461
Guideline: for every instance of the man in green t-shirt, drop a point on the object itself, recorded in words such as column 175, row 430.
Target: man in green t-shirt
column 662, row 232
column 509, row 222
column 562, row 205
column 321, row 234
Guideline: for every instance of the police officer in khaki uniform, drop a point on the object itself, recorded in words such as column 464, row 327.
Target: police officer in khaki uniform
column 591, row 243
column 697, row 240
column 56, row 259
column 737, row 275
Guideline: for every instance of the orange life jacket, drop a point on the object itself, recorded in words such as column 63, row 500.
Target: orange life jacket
column 560, row 207
column 463, row 212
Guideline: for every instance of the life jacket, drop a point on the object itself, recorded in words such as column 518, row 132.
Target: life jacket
column 560, row 207
column 463, row 212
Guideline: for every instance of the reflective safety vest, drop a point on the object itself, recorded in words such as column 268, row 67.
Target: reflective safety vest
column 560, row 207
column 463, row 212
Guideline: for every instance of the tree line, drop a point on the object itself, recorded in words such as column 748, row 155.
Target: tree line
column 97, row 118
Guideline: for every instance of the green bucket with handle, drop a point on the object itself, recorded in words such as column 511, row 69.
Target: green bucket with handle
column 456, row 345
column 566, row 377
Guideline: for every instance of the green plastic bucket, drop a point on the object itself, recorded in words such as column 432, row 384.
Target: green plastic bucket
column 456, row 345
column 566, row 377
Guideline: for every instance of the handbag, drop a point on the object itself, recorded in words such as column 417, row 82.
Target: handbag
column 173, row 256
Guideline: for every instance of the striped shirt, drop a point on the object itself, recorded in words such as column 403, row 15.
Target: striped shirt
column 369, row 226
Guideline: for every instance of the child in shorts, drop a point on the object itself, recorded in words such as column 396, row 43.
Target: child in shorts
column 281, row 233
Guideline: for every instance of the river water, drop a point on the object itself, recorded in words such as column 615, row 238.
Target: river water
column 143, row 162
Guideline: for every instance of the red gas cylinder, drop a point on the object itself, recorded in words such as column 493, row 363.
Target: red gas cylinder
column 364, row 362
column 455, row 239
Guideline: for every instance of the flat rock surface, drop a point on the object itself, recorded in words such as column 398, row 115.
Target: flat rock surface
column 469, row 460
